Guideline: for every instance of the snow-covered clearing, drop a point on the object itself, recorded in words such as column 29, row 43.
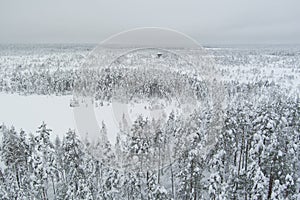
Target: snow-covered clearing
column 28, row 113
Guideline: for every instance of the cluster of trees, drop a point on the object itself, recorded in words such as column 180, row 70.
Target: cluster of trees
column 102, row 82
column 256, row 156
column 42, row 81
column 124, row 84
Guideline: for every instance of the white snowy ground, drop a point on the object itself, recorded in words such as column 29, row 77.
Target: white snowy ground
column 28, row 113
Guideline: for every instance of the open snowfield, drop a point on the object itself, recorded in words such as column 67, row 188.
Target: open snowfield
column 28, row 113
column 53, row 110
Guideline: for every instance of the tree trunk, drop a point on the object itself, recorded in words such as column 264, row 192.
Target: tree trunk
column 270, row 183
column 53, row 187
column 17, row 175
column 172, row 181
column 158, row 170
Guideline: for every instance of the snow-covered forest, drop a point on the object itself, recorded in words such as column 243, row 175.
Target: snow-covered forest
column 255, row 151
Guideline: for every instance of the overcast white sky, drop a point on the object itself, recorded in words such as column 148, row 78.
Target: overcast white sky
column 209, row 22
